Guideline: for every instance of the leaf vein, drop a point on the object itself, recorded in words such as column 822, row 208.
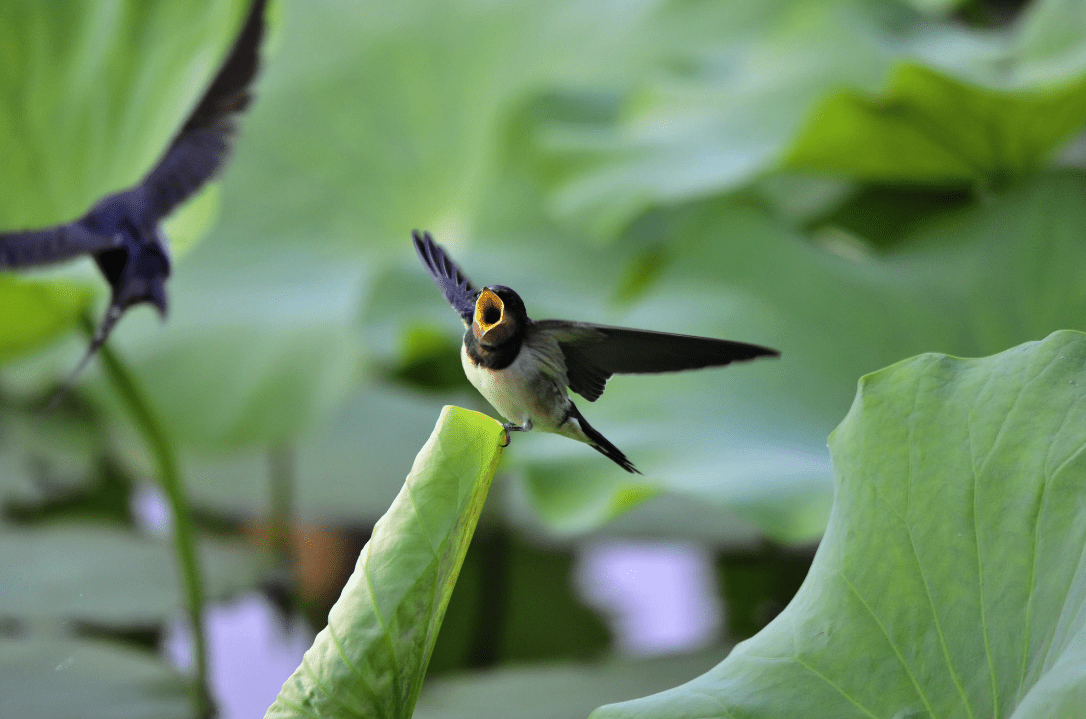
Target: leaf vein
column 357, row 672
column 1042, row 502
column 296, row 707
column 384, row 626
column 308, row 670
column 916, row 555
column 422, row 524
column 938, row 625
column 722, row 705
column 1063, row 607
column 890, row 641
column 836, row 688
column 980, row 571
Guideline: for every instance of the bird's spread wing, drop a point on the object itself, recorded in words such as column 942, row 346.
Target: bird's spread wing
column 452, row 281
column 203, row 144
column 595, row 352
column 51, row 244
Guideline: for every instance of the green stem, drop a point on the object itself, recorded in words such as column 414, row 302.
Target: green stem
column 184, row 539
column 281, row 475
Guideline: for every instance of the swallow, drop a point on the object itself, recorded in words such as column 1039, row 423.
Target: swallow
column 123, row 231
column 525, row 368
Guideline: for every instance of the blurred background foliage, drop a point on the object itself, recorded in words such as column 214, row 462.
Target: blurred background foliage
column 850, row 181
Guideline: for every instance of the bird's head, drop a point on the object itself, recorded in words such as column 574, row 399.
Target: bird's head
column 144, row 276
column 499, row 316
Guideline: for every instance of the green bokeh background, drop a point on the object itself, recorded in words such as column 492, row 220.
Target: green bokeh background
column 853, row 182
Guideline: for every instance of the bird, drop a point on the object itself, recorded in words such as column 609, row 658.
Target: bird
column 123, row 231
column 525, row 368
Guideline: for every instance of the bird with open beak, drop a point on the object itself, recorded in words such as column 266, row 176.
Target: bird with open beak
column 525, row 368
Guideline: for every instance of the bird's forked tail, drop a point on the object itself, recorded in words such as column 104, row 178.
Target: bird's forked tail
column 600, row 443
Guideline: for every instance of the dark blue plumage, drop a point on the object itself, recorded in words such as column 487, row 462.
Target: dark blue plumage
column 123, row 231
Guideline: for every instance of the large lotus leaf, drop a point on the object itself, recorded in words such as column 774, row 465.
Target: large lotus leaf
column 977, row 108
column 45, row 679
column 108, row 576
column 928, row 127
column 950, row 580
column 372, row 656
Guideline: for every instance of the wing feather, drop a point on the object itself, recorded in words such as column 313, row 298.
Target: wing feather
column 50, row 244
column 595, row 352
column 453, row 282
column 202, row 146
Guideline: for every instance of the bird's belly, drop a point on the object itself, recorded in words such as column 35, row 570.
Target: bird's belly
column 520, row 392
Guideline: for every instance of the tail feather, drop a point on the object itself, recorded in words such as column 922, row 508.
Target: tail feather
column 601, row 444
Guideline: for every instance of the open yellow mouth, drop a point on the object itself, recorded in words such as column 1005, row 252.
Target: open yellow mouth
column 489, row 310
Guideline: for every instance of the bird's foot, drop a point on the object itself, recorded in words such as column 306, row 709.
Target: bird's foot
column 511, row 427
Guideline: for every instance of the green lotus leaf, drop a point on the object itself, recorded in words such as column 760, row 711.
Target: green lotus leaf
column 930, row 127
column 371, row 658
column 949, row 582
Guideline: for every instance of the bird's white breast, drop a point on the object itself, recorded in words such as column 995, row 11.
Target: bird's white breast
column 529, row 388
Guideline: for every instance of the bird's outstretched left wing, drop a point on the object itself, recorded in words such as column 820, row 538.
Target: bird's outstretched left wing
column 51, row 244
column 453, row 283
column 203, row 144
column 595, row 352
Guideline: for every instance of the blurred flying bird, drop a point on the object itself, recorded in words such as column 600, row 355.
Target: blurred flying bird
column 525, row 368
column 123, row 232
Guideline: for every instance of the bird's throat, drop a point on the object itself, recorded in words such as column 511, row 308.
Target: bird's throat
column 491, row 356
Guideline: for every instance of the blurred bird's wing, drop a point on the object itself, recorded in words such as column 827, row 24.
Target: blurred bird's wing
column 195, row 155
column 595, row 352
column 453, row 283
column 202, row 146
column 51, row 244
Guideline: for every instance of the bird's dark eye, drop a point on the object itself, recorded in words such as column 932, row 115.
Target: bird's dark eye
column 492, row 315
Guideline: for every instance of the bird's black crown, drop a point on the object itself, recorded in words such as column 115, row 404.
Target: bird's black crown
column 514, row 305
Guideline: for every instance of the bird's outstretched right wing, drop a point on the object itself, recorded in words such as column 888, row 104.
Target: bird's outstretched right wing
column 203, row 144
column 453, row 283
column 50, row 244
column 595, row 352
